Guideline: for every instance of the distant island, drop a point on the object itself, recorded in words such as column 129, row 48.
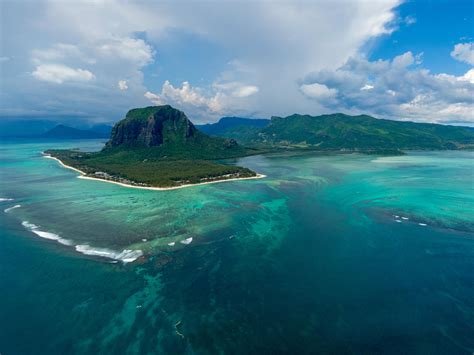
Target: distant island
column 52, row 130
column 159, row 147
column 66, row 132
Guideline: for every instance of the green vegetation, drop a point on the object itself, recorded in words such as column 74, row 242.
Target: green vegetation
column 164, row 132
column 159, row 146
column 228, row 126
column 353, row 133
column 130, row 168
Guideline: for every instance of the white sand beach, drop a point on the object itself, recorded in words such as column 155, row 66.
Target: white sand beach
column 84, row 176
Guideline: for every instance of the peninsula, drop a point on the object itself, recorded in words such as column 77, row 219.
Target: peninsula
column 158, row 147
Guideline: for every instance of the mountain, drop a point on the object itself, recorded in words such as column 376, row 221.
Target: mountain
column 227, row 125
column 168, row 132
column 362, row 133
column 158, row 146
column 16, row 127
column 66, row 132
column 102, row 128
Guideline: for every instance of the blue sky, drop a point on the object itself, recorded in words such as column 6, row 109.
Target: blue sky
column 91, row 61
column 438, row 26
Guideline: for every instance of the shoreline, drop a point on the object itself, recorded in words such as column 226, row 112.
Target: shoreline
column 84, row 176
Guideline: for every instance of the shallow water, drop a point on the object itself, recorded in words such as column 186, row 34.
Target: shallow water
column 333, row 254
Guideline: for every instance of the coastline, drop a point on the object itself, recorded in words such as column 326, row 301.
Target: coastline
column 84, row 176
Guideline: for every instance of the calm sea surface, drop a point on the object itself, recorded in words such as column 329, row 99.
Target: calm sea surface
column 328, row 254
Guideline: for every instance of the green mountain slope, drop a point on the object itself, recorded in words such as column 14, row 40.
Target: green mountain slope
column 229, row 124
column 162, row 131
column 159, row 146
column 366, row 133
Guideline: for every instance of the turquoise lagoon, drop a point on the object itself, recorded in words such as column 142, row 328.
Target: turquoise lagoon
column 328, row 254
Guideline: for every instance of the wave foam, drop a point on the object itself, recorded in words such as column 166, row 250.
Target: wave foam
column 29, row 225
column 126, row 256
column 45, row 235
column 11, row 208
column 171, row 244
column 187, row 241
column 2, row 199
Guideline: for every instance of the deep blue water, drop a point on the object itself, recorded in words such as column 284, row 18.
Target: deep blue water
column 329, row 254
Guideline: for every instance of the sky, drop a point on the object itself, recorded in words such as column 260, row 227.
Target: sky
column 91, row 61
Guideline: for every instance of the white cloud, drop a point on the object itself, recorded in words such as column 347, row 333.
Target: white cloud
column 235, row 88
column 122, row 84
column 185, row 96
column 224, row 97
column 468, row 76
column 245, row 91
column 155, row 99
column 367, row 87
column 318, row 91
column 57, row 73
column 56, row 52
column 464, row 52
column 133, row 50
column 106, row 60
column 116, row 39
column 406, row 59
column 398, row 90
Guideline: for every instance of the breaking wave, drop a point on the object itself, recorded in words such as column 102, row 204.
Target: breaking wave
column 126, row 256
column 11, row 208
column 45, row 235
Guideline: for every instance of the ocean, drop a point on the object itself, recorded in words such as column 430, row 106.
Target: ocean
column 346, row 254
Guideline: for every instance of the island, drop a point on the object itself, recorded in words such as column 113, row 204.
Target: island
column 158, row 147
column 65, row 132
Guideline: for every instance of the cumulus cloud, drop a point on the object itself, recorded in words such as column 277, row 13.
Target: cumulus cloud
column 102, row 63
column 154, row 98
column 188, row 95
column 318, row 91
column 56, row 73
column 57, row 52
column 245, row 91
column 367, row 87
column 400, row 89
column 122, row 84
column 464, row 52
column 469, row 76
column 133, row 50
column 118, row 39
column 185, row 96
column 223, row 97
column 317, row 43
